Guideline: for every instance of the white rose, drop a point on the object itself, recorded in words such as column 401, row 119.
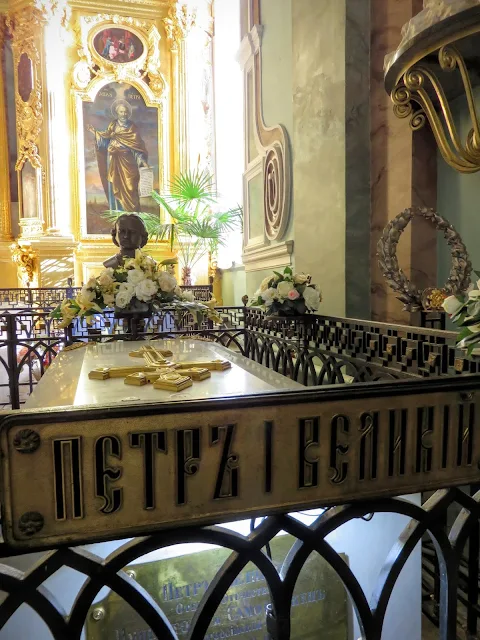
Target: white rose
column 178, row 291
column 474, row 293
column 166, row 282
column 300, row 278
column 189, row 296
column 312, row 298
column 105, row 279
column 452, row 305
column 135, row 276
column 268, row 295
column 145, row 290
column 283, row 288
column 124, row 295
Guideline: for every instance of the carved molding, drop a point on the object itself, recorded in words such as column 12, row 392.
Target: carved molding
column 414, row 299
column 179, row 22
column 31, row 227
column 272, row 144
column 92, row 70
column 272, row 257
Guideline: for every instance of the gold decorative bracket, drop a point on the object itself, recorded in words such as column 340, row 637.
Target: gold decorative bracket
column 430, row 69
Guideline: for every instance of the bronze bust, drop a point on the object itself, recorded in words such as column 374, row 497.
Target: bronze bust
column 129, row 234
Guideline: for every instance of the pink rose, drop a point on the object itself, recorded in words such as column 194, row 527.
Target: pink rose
column 293, row 294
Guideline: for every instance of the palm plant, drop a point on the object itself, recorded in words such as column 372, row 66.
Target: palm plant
column 197, row 227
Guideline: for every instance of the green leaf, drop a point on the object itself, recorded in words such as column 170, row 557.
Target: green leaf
column 477, row 273
column 464, row 333
column 280, row 275
column 288, row 271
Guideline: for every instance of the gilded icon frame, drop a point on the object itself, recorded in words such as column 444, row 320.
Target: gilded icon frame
column 91, row 73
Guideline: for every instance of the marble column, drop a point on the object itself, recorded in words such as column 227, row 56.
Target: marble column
column 331, row 145
column 403, row 169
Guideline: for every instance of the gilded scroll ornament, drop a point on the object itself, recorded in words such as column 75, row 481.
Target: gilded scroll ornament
column 26, row 259
column 179, row 22
column 416, row 88
column 414, row 299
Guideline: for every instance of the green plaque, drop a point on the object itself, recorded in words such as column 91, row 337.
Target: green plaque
column 320, row 607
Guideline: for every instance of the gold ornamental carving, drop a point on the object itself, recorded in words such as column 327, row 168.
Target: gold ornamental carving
column 26, row 259
column 423, row 76
column 413, row 100
column 179, row 22
column 26, row 26
column 93, row 70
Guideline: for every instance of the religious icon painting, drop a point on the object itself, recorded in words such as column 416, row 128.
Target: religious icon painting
column 118, row 45
column 120, row 154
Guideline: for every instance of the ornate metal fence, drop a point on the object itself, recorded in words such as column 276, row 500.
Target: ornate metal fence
column 377, row 471
column 45, row 298
column 319, row 350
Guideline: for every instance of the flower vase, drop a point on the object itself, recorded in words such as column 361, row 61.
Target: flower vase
column 187, row 276
column 136, row 309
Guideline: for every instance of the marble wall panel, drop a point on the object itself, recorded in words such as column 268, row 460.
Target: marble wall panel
column 402, row 168
column 319, row 146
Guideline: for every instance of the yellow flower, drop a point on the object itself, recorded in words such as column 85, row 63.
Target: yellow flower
column 211, row 303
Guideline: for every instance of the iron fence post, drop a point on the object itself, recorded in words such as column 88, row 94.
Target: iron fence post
column 10, row 321
column 472, row 575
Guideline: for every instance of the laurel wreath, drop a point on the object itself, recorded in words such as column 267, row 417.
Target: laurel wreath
column 411, row 296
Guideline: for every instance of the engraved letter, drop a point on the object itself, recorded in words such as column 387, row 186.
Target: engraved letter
column 397, row 446
column 227, row 477
column 150, row 442
column 104, row 475
column 309, row 430
column 67, row 475
column 466, row 422
column 268, row 426
column 188, row 459
column 368, row 446
column 340, row 425
column 424, row 444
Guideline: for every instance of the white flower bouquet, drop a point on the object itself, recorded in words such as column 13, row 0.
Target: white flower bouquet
column 140, row 285
column 464, row 311
column 287, row 294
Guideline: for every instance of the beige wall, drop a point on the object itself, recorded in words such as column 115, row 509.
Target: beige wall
column 319, row 146
column 277, row 70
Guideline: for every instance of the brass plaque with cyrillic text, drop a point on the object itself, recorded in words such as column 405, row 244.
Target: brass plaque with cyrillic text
column 88, row 474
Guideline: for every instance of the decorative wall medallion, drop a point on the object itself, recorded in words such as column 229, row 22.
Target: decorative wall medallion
column 26, row 441
column 413, row 298
column 31, row 523
column 275, row 190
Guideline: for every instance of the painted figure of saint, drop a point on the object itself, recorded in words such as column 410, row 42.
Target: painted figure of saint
column 106, row 48
column 121, row 152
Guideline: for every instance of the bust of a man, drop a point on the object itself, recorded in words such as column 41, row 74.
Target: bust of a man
column 129, row 234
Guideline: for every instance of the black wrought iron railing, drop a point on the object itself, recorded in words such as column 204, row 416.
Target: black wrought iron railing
column 409, row 362
column 45, row 298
